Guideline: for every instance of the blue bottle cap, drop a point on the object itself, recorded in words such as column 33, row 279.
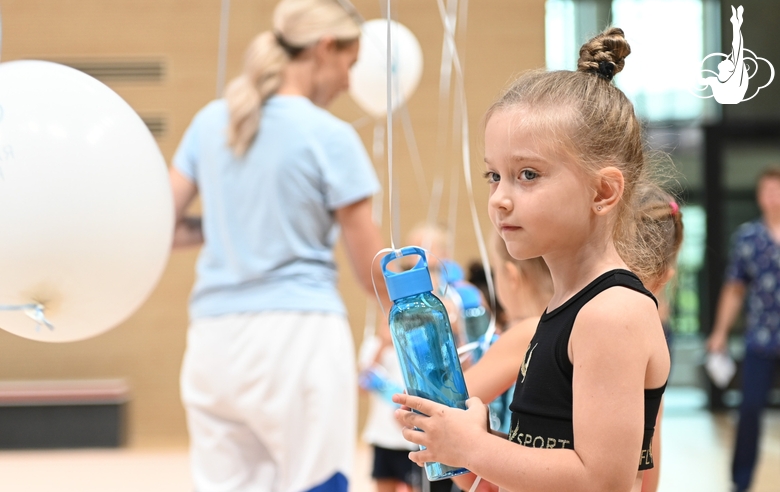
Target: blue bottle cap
column 469, row 295
column 408, row 283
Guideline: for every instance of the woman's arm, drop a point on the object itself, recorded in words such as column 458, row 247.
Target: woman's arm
column 187, row 231
column 363, row 241
column 610, row 354
column 497, row 370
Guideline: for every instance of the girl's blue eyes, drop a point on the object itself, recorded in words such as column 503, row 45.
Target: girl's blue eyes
column 525, row 175
column 492, row 177
column 528, row 174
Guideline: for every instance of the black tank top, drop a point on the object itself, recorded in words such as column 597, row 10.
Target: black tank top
column 542, row 404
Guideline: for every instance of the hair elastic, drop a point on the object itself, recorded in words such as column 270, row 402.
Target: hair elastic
column 606, row 70
column 675, row 207
column 292, row 51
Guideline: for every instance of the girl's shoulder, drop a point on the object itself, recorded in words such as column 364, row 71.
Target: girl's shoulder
column 617, row 320
column 621, row 305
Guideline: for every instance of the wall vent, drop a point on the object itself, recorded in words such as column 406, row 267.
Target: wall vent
column 157, row 125
column 120, row 70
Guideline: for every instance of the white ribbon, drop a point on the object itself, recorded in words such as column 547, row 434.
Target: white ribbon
column 34, row 311
column 466, row 154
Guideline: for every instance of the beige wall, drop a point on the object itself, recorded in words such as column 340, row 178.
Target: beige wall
column 504, row 37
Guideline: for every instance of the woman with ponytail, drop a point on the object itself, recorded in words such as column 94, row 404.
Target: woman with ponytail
column 268, row 379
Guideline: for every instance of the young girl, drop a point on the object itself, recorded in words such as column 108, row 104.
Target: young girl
column 564, row 156
column 659, row 224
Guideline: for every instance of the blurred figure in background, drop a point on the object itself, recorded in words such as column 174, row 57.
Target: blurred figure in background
column 753, row 273
column 380, row 376
column 269, row 379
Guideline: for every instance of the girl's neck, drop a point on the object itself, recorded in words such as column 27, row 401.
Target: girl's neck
column 526, row 305
column 572, row 270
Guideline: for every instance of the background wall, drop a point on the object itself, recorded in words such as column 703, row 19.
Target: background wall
column 164, row 59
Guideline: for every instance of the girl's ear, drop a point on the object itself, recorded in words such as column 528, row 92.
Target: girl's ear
column 668, row 275
column 609, row 189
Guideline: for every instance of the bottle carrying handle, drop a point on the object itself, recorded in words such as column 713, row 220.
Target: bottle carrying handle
column 405, row 251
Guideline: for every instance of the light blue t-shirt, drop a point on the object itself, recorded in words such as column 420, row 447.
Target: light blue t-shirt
column 268, row 218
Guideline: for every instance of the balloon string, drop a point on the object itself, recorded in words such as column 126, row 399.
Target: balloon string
column 457, row 15
column 373, row 280
column 414, row 152
column 445, row 81
column 390, row 178
column 475, row 484
column 466, row 154
column 33, row 310
column 452, row 221
column 223, row 45
column 378, row 152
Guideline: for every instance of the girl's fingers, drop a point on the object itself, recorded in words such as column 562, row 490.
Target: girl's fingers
column 414, row 436
column 420, row 457
column 422, row 405
column 410, row 419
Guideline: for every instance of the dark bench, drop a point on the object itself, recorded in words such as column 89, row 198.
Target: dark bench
column 62, row 414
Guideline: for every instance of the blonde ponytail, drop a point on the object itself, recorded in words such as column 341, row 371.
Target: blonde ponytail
column 298, row 24
column 247, row 93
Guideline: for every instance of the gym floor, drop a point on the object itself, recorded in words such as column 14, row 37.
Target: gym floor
column 696, row 458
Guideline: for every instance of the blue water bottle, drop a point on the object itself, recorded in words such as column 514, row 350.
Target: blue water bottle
column 423, row 340
column 476, row 318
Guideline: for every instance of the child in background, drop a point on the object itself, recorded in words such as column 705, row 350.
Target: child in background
column 392, row 469
column 660, row 225
column 434, row 239
column 564, row 158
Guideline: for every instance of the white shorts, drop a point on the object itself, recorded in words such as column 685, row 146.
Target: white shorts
column 271, row 401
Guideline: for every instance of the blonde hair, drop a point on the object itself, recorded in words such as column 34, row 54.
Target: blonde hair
column 659, row 229
column 594, row 123
column 297, row 24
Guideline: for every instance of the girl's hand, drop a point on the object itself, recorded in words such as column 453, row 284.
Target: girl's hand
column 445, row 432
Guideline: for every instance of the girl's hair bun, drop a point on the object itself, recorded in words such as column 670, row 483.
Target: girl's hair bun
column 605, row 54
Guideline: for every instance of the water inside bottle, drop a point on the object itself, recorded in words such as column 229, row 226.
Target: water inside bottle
column 429, row 360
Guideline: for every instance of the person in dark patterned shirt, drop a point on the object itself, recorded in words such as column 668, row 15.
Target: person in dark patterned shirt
column 753, row 273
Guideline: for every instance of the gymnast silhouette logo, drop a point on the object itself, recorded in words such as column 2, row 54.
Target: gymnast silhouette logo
column 730, row 84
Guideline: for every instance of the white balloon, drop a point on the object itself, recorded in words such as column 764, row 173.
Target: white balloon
column 368, row 81
column 86, row 211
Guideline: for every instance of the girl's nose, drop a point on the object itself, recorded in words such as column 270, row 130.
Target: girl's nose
column 500, row 200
